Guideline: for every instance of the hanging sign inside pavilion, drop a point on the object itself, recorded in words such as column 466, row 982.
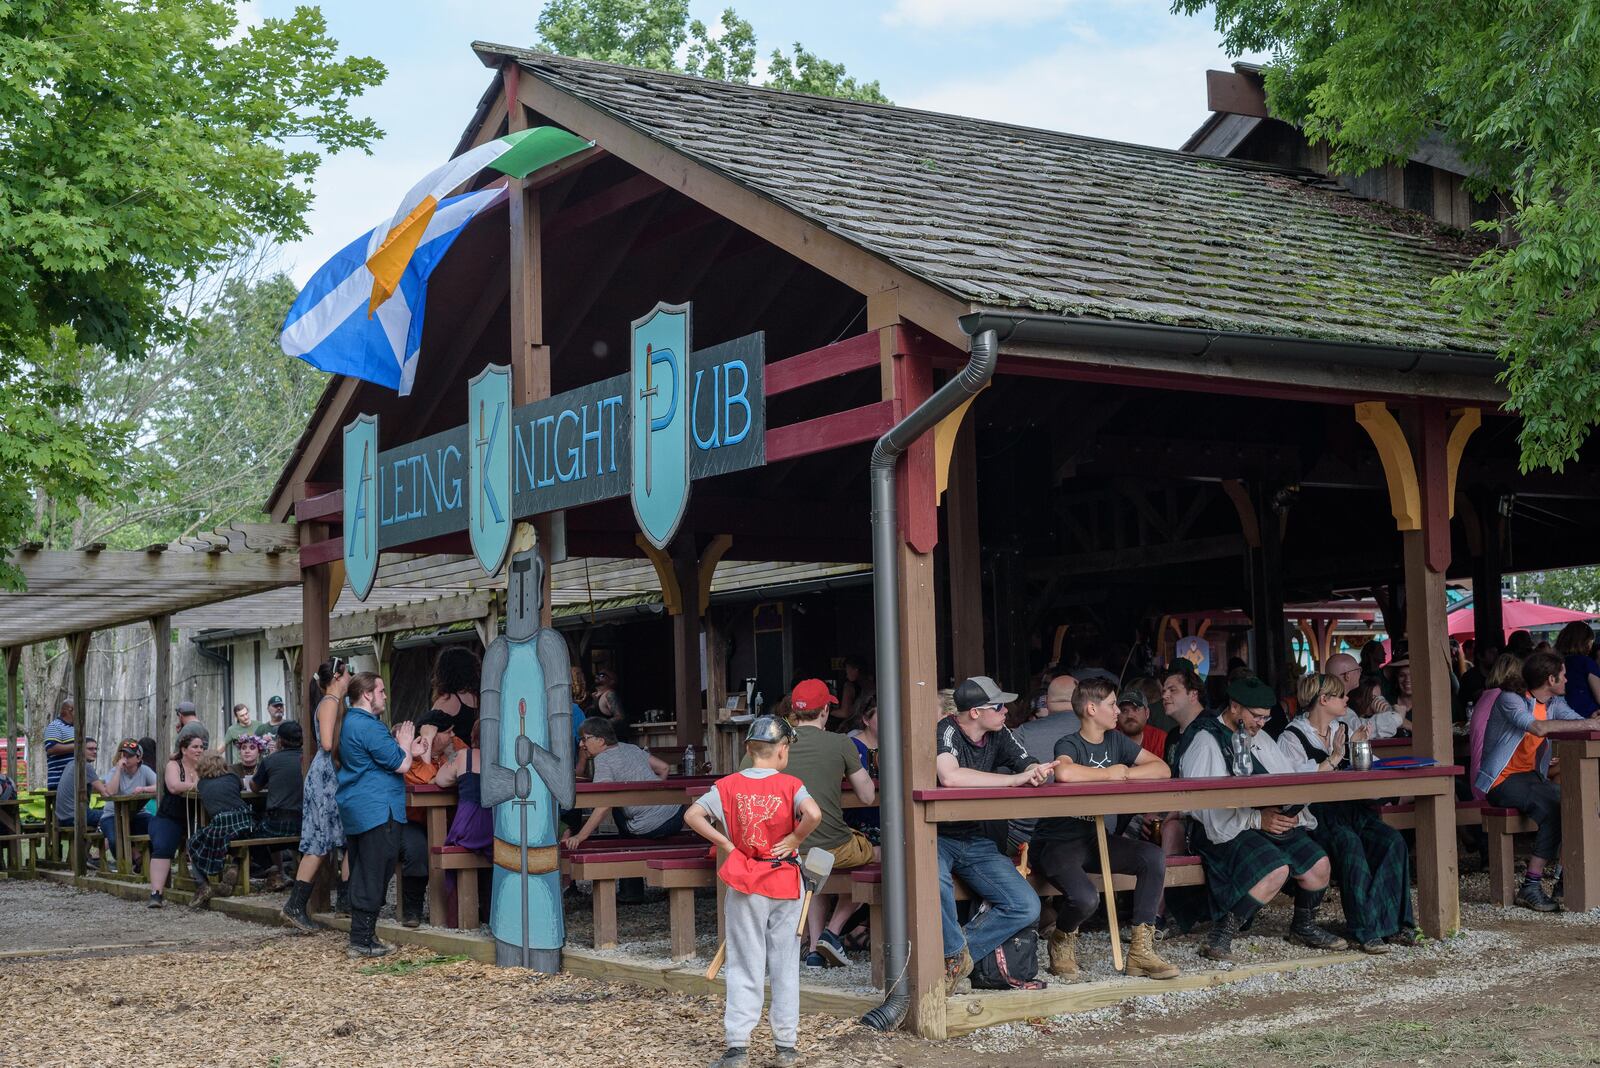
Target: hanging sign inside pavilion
column 647, row 434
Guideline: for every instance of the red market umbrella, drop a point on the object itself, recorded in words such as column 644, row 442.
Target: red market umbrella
column 1518, row 615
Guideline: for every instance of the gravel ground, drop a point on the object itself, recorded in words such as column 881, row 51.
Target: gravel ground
column 1465, row 1001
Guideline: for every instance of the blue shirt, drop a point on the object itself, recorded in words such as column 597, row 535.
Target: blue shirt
column 371, row 793
column 1579, row 696
column 577, row 721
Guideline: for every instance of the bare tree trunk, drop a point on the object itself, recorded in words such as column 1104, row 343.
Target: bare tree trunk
column 45, row 672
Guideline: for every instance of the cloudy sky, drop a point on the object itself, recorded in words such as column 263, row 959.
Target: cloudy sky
column 1122, row 69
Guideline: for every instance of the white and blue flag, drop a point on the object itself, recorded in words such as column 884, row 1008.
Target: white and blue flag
column 328, row 325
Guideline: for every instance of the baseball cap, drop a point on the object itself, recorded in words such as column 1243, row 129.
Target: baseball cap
column 810, row 695
column 1251, row 692
column 1133, row 696
column 130, row 747
column 981, row 690
column 274, row 700
column 185, row 708
column 770, row 729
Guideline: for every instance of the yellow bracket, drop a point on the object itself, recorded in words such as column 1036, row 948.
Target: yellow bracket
column 336, row 580
column 1464, row 421
column 671, row 596
column 708, row 567
column 944, row 444
column 1400, row 471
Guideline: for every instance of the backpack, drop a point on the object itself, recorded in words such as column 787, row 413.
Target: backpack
column 1015, row 964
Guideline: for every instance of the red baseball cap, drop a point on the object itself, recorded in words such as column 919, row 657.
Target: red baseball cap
column 810, row 695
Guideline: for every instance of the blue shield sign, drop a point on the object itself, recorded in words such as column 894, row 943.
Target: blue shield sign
column 361, row 504
column 659, row 421
column 489, row 466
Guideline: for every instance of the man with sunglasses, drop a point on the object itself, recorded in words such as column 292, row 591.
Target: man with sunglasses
column 1249, row 853
column 977, row 749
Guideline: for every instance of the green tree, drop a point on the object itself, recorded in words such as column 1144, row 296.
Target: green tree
column 143, row 142
column 659, row 35
column 1569, row 587
column 1515, row 88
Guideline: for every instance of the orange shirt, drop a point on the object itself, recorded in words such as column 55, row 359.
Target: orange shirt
column 1527, row 754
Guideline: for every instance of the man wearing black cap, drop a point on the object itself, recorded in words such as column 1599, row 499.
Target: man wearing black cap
column 187, row 716
column 1249, row 853
column 976, row 749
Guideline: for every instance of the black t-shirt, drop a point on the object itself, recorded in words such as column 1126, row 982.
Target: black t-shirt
column 220, row 794
column 460, row 724
column 280, row 778
column 1000, row 752
column 1114, row 748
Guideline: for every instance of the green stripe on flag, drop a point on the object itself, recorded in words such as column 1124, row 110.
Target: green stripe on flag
column 539, row 147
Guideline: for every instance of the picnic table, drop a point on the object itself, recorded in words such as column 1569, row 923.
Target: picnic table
column 11, row 826
column 436, row 803
column 124, row 806
column 1435, row 784
column 1579, row 755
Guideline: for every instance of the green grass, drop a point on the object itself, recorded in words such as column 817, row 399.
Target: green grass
column 406, row 967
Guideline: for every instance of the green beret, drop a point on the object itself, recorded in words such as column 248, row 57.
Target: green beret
column 1251, row 692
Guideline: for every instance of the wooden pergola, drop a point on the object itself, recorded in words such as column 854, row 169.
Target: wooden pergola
column 71, row 594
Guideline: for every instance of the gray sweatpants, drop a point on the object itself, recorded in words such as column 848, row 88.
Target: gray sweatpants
column 761, row 939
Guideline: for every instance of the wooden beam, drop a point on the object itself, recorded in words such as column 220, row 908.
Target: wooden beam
column 921, row 303
column 866, row 423
column 671, row 592
column 604, row 204
column 112, row 573
column 965, row 557
column 325, row 506
column 819, row 365
column 78, row 646
column 710, row 557
column 13, row 671
column 1232, row 93
column 161, row 669
column 686, row 683
column 1463, row 423
column 321, row 553
column 439, row 612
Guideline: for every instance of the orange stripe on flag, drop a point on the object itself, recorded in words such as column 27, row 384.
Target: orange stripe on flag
column 389, row 262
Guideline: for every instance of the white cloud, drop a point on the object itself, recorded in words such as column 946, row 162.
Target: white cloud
column 938, row 14
column 1152, row 93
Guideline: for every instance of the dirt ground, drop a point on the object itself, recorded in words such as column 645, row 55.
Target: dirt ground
column 88, row 979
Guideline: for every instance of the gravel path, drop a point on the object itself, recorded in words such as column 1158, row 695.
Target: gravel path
column 44, row 916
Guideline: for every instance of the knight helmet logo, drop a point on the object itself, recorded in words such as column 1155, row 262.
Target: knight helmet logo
column 659, row 421
column 361, row 504
column 489, row 466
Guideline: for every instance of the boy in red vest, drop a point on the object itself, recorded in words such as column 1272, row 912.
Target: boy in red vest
column 766, row 814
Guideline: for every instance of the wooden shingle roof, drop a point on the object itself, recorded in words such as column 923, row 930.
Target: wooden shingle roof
column 1004, row 216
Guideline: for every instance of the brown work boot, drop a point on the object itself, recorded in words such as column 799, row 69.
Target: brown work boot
column 1063, row 948
column 1142, row 956
column 956, row 969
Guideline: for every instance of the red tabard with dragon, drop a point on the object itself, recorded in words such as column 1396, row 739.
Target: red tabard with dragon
column 758, row 814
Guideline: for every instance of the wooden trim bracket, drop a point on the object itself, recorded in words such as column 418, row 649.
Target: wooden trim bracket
column 671, row 595
column 1464, row 422
column 1399, row 469
column 709, row 559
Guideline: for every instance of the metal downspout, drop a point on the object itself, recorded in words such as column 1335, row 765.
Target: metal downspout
column 886, row 627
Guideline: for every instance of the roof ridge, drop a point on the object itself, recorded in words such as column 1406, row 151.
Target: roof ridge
column 541, row 56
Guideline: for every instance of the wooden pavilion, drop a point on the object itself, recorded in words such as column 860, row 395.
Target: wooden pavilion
column 1219, row 383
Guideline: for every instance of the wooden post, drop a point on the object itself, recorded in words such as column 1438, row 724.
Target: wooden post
column 530, row 356
column 383, row 647
column 13, row 670
column 161, row 668
column 686, row 683
column 966, row 562
column 1488, row 614
column 78, row 644
column 908, row 380
column 1419, row 469
column 316, row 593
column 1266, row 585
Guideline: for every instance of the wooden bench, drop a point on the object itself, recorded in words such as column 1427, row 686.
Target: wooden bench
column 243, row 846
column 603, row 869
column 22, row 850
column 1500, row 828
column 466, row 863
column 681, row 877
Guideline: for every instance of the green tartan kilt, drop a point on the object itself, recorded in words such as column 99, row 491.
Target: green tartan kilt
column 1236, row 866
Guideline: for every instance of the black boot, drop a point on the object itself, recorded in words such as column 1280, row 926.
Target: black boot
column 341, row 898
column 1304, row 929
column 364, row 937
column 413, row 899
column 1219, row 944
column 203, row 889
column 294, row 910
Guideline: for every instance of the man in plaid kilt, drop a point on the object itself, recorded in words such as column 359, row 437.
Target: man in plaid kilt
column 1249, row 853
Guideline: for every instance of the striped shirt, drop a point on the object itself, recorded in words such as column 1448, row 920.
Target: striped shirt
column 58, row 731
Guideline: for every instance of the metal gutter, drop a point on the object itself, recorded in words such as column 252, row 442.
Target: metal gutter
column 1041, row 328
column 886, row 454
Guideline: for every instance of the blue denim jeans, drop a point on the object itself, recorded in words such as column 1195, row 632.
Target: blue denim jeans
column 138, row 823
column 1013, row 904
